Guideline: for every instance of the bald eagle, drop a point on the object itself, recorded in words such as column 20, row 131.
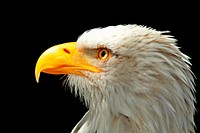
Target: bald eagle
column 133, row 79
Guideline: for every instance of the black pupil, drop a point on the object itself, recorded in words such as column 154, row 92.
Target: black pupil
column 103, row 53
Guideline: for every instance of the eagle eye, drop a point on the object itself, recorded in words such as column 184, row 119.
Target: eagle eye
column 103, row 54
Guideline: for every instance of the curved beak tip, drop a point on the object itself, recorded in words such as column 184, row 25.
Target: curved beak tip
column 37, row 78
column 37, row 73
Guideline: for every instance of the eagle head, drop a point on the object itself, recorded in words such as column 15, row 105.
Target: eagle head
column 131, row 77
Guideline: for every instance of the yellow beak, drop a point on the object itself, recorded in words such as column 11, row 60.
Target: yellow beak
column 63, row 59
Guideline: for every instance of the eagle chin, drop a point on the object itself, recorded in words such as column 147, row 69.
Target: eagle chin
column 133, row 79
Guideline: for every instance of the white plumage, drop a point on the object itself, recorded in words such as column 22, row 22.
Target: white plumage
column 146, row 86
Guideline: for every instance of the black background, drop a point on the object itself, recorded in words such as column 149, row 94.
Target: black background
column 31, row 28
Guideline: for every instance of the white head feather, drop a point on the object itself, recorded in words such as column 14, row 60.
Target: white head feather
column 145, row 87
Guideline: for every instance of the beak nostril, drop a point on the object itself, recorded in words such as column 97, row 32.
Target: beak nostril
column 66, row 50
